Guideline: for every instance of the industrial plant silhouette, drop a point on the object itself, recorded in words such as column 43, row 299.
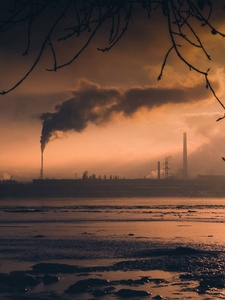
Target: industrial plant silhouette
column 113, row 186
column 116, row 177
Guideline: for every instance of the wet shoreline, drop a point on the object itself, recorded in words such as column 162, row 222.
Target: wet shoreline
column 200, row 272
column 120, row 249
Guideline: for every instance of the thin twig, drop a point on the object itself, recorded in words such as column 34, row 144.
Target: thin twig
column 53, row 54
column 164, row 62
column 40, row 53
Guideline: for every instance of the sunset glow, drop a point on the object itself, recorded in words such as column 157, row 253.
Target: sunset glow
column 127, row 143
column 112, row 156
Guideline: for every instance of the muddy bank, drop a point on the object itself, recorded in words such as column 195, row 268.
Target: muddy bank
column 199, row 272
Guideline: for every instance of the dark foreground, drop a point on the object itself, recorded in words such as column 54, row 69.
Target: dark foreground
column 193, row 274
column 116, row 248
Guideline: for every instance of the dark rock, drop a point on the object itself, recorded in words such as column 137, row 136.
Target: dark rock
column 5, row 278
column 83, row 286
column 108, row 290
column 187, row 276
column 127, row 293
column 27, row 281
column 92, row 282
column 17, row 281
column 169, row 252
column 99, row 293
column 131, row 282
column 38, row 236
column 20, row 278
column 158, row 280
column 53, row 268
column 144, row 279
column 185, row 251
column 49, row 279
column 157, row 297
column 17, row 273
column 212, row 282
column 6, row 282
column 73, row 289
column 141, row 281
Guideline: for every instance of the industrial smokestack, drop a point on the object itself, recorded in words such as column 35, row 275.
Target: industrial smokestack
column 185, row 169
column 158, row 169
column 42, row 170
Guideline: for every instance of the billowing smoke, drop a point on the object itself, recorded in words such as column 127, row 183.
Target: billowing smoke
column 91, row 103
column 6, row 176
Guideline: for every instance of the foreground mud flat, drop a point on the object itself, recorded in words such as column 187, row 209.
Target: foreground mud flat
column 180, row 273
column 122, row 248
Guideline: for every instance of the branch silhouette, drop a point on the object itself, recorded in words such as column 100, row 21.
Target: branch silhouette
column 90, row 15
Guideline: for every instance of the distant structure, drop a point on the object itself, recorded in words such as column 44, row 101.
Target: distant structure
column 42, row 167
column 85, row 175
column 166, row 168
column 185, row 168
column 158, row 169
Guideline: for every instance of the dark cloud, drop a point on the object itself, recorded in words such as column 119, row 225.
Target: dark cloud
column 94, row 104
column 145, row 43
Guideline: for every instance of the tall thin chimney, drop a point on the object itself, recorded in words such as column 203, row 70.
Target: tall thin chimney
column 158, row 169
column 42, row 170
column 185, row 168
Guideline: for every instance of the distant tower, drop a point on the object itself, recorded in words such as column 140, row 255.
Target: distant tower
column 166, row 168
column 158, row 169
column 185, row 169
column 41, row 171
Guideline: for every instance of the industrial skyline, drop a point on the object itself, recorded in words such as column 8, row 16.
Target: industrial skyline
column 163, row 169
column 165, row 175
column 123, row 120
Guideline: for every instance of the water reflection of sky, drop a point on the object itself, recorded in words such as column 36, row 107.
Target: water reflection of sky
column 147, row 209
column 102, row 232
column 181, row 220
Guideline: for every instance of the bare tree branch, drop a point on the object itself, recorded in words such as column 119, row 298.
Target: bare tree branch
column 47, row 38
column 88, row 16
column 164, row 62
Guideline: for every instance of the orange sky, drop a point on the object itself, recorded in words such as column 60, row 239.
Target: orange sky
column 126, row 145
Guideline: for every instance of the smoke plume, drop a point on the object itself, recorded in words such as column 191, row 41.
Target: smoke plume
column 91, row 103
